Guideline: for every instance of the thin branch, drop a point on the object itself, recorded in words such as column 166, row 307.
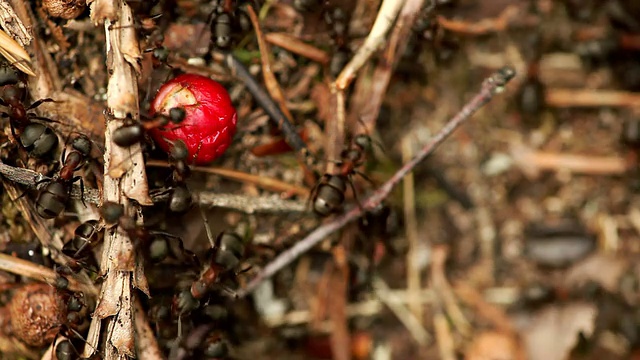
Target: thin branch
column 386, row 16
column 244, row 203
column 409, row 320
column 491, row 86
column 37, row 272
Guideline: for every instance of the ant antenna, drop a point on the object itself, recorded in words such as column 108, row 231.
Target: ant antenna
column 207, row 227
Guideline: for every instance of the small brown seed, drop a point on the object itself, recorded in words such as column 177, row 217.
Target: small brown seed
column 37, row 312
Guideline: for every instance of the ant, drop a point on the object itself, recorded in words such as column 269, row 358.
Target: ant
column 37, row 139
column 225, row 21
column 329, row 194
column 53, row 199
column 133, row 132
column 179, row 196
column 161, row 245
column 78, row 249
column 223, row 259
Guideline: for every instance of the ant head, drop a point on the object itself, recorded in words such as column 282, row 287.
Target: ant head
column 111, row 212
column 161, row 53
column 363, row 141
column 82, row 144
column 177, row 114
column 179, row 151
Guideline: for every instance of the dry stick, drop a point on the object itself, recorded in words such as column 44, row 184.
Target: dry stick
column 119, row 265
column 297, row 46
column 564, row 98
column 148, row 348
column 442, row 327
column 263, row 182
column 37, row 272
column 267, row 74
column 368, row 109
column 411, row 230
column 386, row 16
column 413, row 325
column 244, row 203
column 491, row 86
column 275, row 114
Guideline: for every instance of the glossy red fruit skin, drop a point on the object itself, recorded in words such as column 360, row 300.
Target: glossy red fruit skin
column 210, row 121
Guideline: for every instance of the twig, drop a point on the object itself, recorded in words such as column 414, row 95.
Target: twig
column 441, row 325
column 119, row 264
column 251, row 204
column 444, row 293
column 263, row 182
column 37, row 272
column 484, row 26
column 446, row 347
column 369, row 107
column 386, row 16
column 275, row 114
column 411, row 231
column 564, row 98
column 248, row 204
column 532, row 162
column 297, row 46
column 409, row 320
column 491, row 86
column 270, row 81
column 13, row 25
column 148, row 348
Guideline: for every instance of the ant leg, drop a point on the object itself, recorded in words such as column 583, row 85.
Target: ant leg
column 364, row 176
column 81, row 188
column 207, row 228
column 355, row 194
column 244, row 270
column 229, row 291
column 40, row 102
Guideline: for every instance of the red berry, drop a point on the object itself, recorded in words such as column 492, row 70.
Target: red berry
column 210, row 121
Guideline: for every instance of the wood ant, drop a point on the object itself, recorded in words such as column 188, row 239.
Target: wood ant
column 223, row 259
column 133, row 132
column 225, row 21
column 78, row 249
column 37, row 139
column 329, row 194
column 160, row 244
column 53, row 199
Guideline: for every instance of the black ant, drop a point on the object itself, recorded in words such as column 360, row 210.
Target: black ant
column 53, row 199
column 224, row 258
column 225, row 21
column 133, row 132
column 180, row 199
column 37, row 139
column 329, row 194
column 86, row 237
column 161, row 245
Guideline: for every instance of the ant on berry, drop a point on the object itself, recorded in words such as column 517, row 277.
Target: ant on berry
column 53, row 198
column 37, row 139
column 328, row 196
column 133, row 132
